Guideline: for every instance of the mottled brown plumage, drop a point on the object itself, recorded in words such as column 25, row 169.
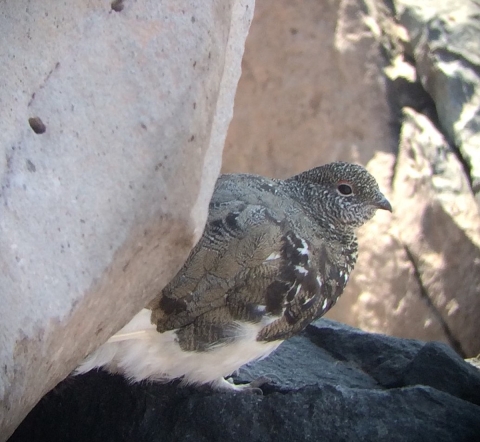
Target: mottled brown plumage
column 275, row 255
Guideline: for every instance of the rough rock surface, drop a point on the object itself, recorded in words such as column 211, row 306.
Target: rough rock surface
column 438, row 223
column 446, row 47
column 311, row 90
column 430, row 280
column 332, row 383
column 393, row 85
column 113, row 119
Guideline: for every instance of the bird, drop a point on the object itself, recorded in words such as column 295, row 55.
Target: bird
column 274, row 256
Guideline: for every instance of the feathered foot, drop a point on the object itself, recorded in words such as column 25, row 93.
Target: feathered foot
column 252, row 387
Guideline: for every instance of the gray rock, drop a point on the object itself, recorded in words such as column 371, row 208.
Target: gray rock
column 113, row 119
column 437, row 222
column 332, row 383
column 290, row 369
column 446, row 46
column 394, row 362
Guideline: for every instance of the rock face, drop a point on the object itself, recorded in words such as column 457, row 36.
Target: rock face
column 395, row 86
column 311, row 90
column 332, row 383
column 114, row 116
column 446, row 48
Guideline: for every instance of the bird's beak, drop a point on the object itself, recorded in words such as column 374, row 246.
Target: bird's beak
column 383, row 203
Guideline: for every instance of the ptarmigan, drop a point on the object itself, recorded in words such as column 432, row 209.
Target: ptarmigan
column 275, row 255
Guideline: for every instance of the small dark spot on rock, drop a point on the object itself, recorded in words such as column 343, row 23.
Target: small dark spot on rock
column 209, row 55
column 143, row 126
column 193, row 19
column 37, row 125
column 30, row 166
column 194, row 105
column 191, row 138
column 293, row 31
column 194, row 64
column 158, row 166
column 117, row 5
column 82, row 221
column 125, row 267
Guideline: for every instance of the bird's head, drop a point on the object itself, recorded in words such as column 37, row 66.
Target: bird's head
column 346, row 193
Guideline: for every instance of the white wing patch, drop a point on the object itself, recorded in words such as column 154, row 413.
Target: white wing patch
column 304, row 249
column 260, row 309
column 301, row 269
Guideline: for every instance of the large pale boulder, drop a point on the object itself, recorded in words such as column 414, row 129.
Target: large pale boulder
column 113, row 120
column 396, row 89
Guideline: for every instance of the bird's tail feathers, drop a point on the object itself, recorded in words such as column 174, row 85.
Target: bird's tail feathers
column 119, row 337
column 138, row 328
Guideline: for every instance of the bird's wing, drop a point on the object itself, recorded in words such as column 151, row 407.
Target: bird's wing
column 240, row 247
column 249, row 266
column 308, row 284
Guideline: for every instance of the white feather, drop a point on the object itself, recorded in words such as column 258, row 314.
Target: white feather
column 304, row 249
column 301, row 270
column 273, row 256
column 139, row 352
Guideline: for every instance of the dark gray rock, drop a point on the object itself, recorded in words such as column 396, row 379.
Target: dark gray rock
column 395, row 362
column 333, row 383
column 300, row 362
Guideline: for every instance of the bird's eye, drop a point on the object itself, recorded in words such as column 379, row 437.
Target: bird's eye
column 344, row 189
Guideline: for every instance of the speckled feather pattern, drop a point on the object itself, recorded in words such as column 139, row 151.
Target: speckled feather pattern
column 275, row 255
